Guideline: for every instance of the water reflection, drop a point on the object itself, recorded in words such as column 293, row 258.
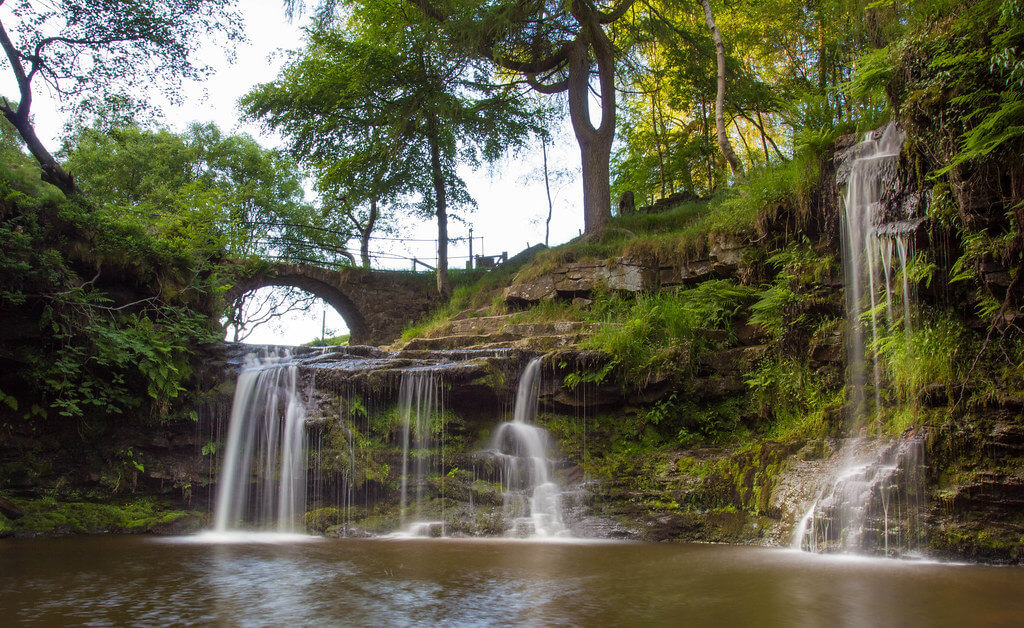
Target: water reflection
column 141, row 581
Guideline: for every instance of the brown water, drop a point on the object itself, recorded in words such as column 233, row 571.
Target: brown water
column 114, row 580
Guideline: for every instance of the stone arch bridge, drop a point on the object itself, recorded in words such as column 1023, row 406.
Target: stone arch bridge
column 376, row 304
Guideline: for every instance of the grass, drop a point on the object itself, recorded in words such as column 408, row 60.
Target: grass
column 334, row 341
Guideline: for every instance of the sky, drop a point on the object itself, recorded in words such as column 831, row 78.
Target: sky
column 510, row 195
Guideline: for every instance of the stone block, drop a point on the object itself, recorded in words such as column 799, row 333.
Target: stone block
column 533, row 291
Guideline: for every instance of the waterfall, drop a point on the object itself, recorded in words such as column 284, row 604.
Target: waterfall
column 868, row 246
column 874, row 502
column 419, row 406
column 873, row 506
column 532, row 499
column 266, row 435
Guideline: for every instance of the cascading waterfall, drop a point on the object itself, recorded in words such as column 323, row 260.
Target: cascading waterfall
column 420, row 404
column 869, row 244
column 532, row 499
column 312, row 429
column 873, row 506
column 874, row 502
column 266, row 434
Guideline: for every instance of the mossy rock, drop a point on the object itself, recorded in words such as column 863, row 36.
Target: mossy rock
column 48, row 516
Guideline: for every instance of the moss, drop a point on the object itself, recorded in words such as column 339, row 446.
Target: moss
column 319, row 520
column 493, row 378
column 692, row 466
column 48, row 515
column 977, row 542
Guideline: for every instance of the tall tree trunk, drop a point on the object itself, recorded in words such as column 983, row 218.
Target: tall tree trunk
column 657, row 140
column 364, row 234
column 723, row 137
column 444, row 287
column 595, row 143
column 547, row 188
column 764, row 138
column 705, row 131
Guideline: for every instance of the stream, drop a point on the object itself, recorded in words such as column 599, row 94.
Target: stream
column 154, row 581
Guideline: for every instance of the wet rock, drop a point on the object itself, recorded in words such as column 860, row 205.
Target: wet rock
column 734, row 361
column 727, row 250
column 749, row 334
column 830, row 351
column 593, row 527
column 691, row 273
column 718, row 387
column 1007, row 440
column 347, row 531
column 9, row 510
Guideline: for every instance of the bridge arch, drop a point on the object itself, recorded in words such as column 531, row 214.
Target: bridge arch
column 376, row 305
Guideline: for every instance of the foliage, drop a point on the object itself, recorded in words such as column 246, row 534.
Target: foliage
column 657, row 335
column 334, row 341
column 932, row 355
column 84, row 352
column 82, row 46
column 203, row 190
column 88, row 44
column 957, row 91
column 798, row 401
column 787, row 64
column 784, row 303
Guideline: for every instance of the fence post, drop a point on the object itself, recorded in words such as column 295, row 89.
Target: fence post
column 414, row 264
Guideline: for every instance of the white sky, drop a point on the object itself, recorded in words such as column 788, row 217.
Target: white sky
column 511, row 196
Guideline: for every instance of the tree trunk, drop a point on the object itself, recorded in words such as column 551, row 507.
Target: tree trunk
column 595, row 143
column 705, row 131
column 53, row 173
column 723, row 137
column 597, row 194
column 364, row 234
column 657, row 141
column 547, row 188
column 764, row 138
column 444, row 287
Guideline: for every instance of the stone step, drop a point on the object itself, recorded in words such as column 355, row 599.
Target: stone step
column 502, row 340
column 555, row 328
column 459, row 341
column 476, row 325
column 540, row 343
column 486, row 325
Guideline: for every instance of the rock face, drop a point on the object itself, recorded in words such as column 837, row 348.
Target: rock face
column 977, row 487
column 495, row 332
column 581, row 279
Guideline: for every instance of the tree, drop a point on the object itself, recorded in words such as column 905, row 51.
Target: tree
column 221, row 191
column 723, row 136
column 384, row 97
column 356, row 182
column 554, row 45
column 81, row 45
column 211, row 192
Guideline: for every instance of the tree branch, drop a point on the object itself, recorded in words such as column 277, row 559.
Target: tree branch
column 24, row 83
column 607, row 17
column 547, row 88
